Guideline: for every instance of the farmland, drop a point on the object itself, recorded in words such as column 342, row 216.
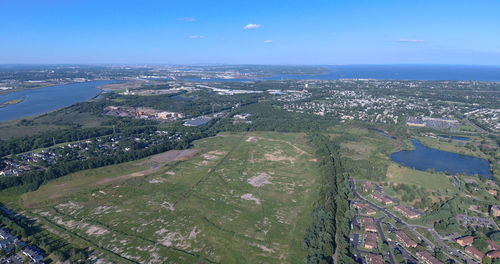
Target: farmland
column 243, row 197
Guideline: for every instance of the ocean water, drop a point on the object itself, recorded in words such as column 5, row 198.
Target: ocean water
column 390, row 72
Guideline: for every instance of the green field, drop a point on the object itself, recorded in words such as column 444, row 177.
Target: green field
column 242, row 198
column 431, row 181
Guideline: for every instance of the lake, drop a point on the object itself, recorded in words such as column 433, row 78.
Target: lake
column 424, row 158
column 46, row 99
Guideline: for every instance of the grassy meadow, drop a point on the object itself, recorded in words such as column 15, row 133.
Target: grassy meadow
column 242, row 198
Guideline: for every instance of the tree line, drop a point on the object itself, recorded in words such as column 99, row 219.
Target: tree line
column 328, row 235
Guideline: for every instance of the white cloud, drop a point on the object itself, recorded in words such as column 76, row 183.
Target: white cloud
column 196, row 37
column 251, row 26
column 268, row 41
column 411, row 40
column 187, row 19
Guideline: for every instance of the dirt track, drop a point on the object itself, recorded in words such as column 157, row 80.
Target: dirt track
column 156, row 162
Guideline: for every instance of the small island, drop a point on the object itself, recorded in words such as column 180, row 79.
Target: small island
column 12, row 102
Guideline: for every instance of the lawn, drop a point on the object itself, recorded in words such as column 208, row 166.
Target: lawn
column 242, row 198
column 431, row 181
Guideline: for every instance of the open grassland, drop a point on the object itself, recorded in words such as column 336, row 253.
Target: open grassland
column 61, row 119
column 431, row 181
column 234, row 198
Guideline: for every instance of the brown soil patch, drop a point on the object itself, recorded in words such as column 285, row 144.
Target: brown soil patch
column 259, row 180
column 278, row 156
column 251, row 139
column 156, row 162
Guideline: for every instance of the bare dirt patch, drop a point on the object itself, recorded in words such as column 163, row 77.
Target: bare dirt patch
column 278, row 156
column 250, row 197
column 155, row 181
column 260, row 179
column 155, row 162
column 173, row 155
column 96, row 231
column 251, row 139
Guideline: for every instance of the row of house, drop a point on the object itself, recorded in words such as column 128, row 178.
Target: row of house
column 466, row 242
column 9, row 243
column 408, row 212
column 427, row 258
column 406, row 241
column 369, row 224
column 365, row 208
column 384, row 199
column 371, row 240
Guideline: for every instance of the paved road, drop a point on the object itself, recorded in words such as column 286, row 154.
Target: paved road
column 476, row 126
column 411, row 228
column 355, row 243
column 390, row 254
column 450, row 250
column 406, row 253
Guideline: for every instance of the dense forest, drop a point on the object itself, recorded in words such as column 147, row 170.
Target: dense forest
column 328, row 236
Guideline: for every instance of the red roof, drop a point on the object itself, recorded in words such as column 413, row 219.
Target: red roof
column 465, row 240
column 475, row 252
column 375, row 259
column 494, row 254
column 492, row 245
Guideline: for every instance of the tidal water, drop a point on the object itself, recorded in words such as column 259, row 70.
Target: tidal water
column 424, row 158
column 46, row 99
column 388, row 72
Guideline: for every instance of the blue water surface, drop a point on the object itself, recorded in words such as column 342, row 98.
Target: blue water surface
column 424, row 158
column 387, row 72
column 43, row 100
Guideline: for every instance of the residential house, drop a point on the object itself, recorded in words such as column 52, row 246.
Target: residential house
column 369, row 224
column 370, row 241
column 465, row 240
column 492, row 245
column 428, row 258
column 474, row 252
column 407, row 212
column 34, row 253
column 375, row 259
column 405, row 240
column 382, row 198
column 495, row 254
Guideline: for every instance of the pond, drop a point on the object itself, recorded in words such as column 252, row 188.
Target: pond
column 424, row 158
column 458, row 138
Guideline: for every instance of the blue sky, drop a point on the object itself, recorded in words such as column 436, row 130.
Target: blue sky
column 280, row 32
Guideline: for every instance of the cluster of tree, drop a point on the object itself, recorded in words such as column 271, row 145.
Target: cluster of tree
column 47, row 139
column 328, row 235
column 200, row 102
column 35, row 178
column 411, row 192
column 268, row 117
column 443, row 215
